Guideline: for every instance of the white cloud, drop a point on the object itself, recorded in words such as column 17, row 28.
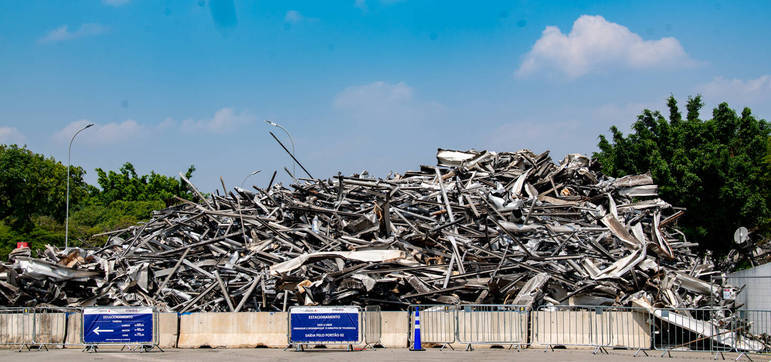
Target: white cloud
column 167, row 123
column 751, row 90
column 594, row 44
column 63, row 33
column 115, row 2
column 381, row 101
column 575, row 130
column 11, row 135
column 100, row 134
column 225, row 119
column 560, row 137
column 293, row 17
column 376, row 94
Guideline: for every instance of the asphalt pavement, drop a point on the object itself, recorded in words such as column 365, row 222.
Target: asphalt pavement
column 389, row 355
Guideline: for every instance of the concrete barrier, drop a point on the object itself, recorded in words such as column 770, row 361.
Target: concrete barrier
column 168, row 330
column 395, row 328
column 74, row 330
column 236, row 330
column 571, row 328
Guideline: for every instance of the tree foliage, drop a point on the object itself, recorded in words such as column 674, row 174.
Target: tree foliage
column 718, row 168
column 31, row 184
column 126, row 185
column 33, row 197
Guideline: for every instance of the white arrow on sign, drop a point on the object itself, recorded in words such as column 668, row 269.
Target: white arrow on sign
column 97, row 330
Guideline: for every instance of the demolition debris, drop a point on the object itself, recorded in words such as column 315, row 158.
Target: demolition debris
column 480, row 227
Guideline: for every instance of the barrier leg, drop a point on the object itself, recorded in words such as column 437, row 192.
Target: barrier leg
column 150, row 347
column 745, row 354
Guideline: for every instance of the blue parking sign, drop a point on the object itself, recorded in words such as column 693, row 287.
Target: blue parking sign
column 324, row 324
column 118, row 325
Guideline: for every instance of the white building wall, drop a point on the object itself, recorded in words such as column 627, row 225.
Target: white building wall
column 756, row 295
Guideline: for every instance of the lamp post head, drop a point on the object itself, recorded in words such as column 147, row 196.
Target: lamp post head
column 274, row 124
column 88, row 125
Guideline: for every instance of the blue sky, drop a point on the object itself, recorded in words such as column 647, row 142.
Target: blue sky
column 360, row 84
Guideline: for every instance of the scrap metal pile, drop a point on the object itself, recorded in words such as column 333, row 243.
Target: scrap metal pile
column 480, row 227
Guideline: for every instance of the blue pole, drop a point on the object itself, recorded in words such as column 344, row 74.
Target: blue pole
column 416, row 346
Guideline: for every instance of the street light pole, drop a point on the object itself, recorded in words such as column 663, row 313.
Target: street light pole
column 291, row 140
column 67, row 216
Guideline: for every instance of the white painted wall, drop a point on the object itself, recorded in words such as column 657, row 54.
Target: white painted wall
column 755, row 296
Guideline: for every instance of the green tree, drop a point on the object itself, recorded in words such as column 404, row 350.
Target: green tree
column 31, row 184
column 32, row 199
column 126, row 185
column 718, row 169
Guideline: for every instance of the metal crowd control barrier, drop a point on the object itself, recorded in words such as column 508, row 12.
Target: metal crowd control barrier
column 756, row 323
column 73, row 337
column 51, row 325
column 690, row 329
column 372, row 326
column 625, row 328
column 498, row 324
column 324, row 325
column 438, row 324
column 714, row 330
column 599, row 327
column 566, row 326
column 17, row 327
column 38, row 327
